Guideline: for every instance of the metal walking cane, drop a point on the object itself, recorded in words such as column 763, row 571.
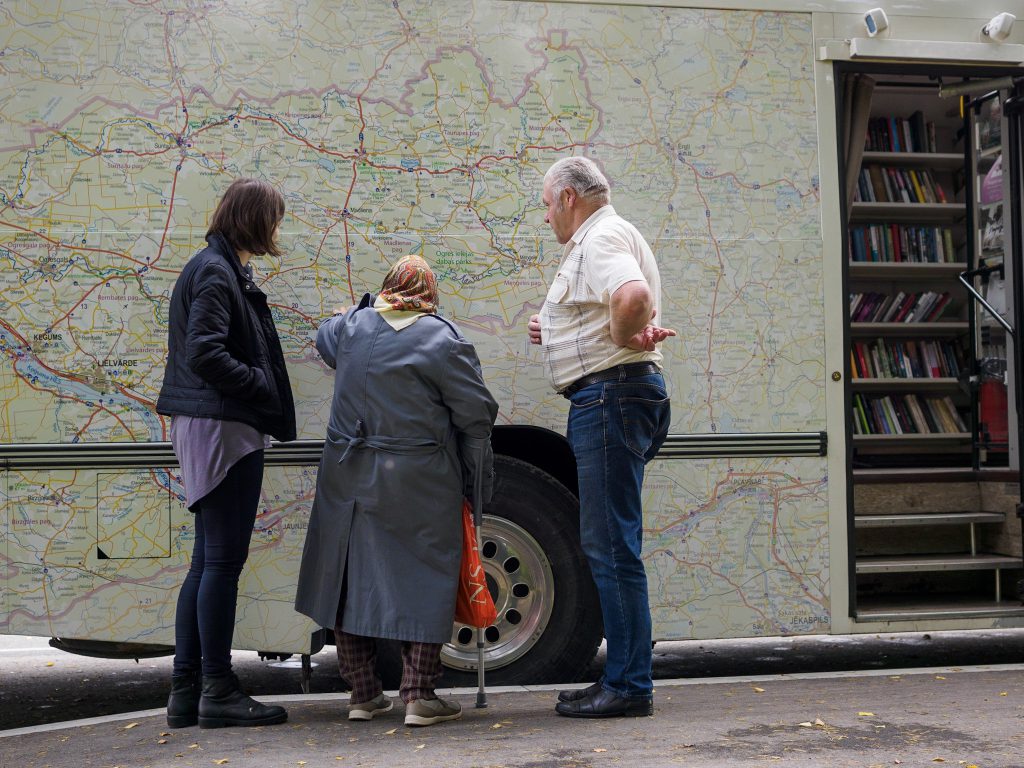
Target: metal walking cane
column 478, row 519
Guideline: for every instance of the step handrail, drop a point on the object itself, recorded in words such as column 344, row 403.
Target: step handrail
column 966, row 277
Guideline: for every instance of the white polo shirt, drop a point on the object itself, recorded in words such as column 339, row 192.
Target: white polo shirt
column 575, row 322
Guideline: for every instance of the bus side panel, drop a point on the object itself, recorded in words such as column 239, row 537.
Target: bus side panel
column 101, row 554
column 737, row 548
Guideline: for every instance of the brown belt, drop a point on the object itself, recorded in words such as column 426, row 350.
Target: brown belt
column 619, row 372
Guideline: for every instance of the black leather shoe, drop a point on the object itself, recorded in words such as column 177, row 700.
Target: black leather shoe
column 222, row 704
column 183, row 703
column 603, row 703
column 579, row 693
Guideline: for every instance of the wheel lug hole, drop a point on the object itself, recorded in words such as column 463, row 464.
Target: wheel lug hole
column 489, row 549
column 465, row 636
column 511, row 565
column 491, row 634
column 512, row 616
column 520, row 590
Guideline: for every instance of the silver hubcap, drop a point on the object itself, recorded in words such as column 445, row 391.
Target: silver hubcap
column 519, row 574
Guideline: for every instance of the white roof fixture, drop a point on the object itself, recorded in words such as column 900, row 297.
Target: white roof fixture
column 998, row 29
column 875, row 21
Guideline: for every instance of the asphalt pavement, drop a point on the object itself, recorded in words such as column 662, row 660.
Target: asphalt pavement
column 934, row 699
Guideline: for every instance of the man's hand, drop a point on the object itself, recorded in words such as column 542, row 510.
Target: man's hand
column 534, row 329
column 648, row 338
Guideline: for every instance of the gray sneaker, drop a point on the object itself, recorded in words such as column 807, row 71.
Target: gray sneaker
column 430, row 711
column 367, row 710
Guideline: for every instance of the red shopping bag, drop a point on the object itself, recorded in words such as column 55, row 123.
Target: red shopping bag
column 473, row 603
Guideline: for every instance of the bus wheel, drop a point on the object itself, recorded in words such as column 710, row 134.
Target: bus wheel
column 549, row 619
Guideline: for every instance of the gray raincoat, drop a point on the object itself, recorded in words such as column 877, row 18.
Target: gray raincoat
column 410, row 425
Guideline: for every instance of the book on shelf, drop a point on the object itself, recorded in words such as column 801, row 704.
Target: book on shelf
column 900, row 134
column 913, row 185
column 889, row 310
column 911, row 359
column 919, row 195
column 905, row 415
column 917, row 307
column 901, row 243
column 905, row 307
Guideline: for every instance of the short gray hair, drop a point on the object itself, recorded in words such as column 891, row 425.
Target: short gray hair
column 580, row 174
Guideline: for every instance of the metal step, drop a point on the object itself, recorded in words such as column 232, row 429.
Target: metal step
column 919, row 563
column 933, row 475
column 940, row 607
column 935, row 518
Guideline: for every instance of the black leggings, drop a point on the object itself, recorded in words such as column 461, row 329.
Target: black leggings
column 205, row 620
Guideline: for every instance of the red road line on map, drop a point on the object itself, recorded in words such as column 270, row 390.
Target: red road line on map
column 344, row 218
column 174, row 67
column 85, row 295
column 59, row 244
column 170, row 208
column 291, row 310
column 696, row 563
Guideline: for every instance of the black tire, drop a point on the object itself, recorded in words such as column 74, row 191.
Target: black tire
column 549, row 619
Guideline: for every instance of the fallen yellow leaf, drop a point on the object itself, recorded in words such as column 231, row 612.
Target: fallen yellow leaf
column 164, row 733
column 421, row 746
column 388, row 733
column 496, row 725
column 865, row 714
column 162, row 741
column 221, row 761
column 130, row 725
column 938, row 759
column 939, row 677
column 49, row 664
column 1002, row 693
column 600, row 749
column 806, row 725
column 819, row 721
column 758, row 690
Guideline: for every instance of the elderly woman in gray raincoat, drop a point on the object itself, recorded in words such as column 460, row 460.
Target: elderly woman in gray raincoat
column 410, row 425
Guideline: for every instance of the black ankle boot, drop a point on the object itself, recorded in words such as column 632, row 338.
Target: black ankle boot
column 183, row 703
column 223, row 704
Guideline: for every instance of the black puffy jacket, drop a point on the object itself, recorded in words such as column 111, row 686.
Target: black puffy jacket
column 224, row 357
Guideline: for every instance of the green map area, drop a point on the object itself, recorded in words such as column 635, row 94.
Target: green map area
column 393, row 128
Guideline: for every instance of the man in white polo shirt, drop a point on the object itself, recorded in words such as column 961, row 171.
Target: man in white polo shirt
column 600, row 348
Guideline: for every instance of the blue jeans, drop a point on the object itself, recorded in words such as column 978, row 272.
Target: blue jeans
column 204, row 622
column 615, row 428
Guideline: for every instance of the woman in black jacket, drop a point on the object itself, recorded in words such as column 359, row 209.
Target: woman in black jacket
column 226, row 389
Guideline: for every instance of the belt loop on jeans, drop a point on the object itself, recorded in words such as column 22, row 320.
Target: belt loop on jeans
column 620, row 372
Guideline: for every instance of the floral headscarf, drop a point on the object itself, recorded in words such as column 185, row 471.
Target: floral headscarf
column 410, row 286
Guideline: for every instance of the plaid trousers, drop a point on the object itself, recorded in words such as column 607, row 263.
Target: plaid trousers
column 357, row 662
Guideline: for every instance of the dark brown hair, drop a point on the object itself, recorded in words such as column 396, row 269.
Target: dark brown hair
column 247, row 216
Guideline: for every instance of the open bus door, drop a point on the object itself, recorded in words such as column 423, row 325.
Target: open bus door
column 1013, row 109
column 1008, row 94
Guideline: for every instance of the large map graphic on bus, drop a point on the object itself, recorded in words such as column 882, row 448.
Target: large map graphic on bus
column 392, row 128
